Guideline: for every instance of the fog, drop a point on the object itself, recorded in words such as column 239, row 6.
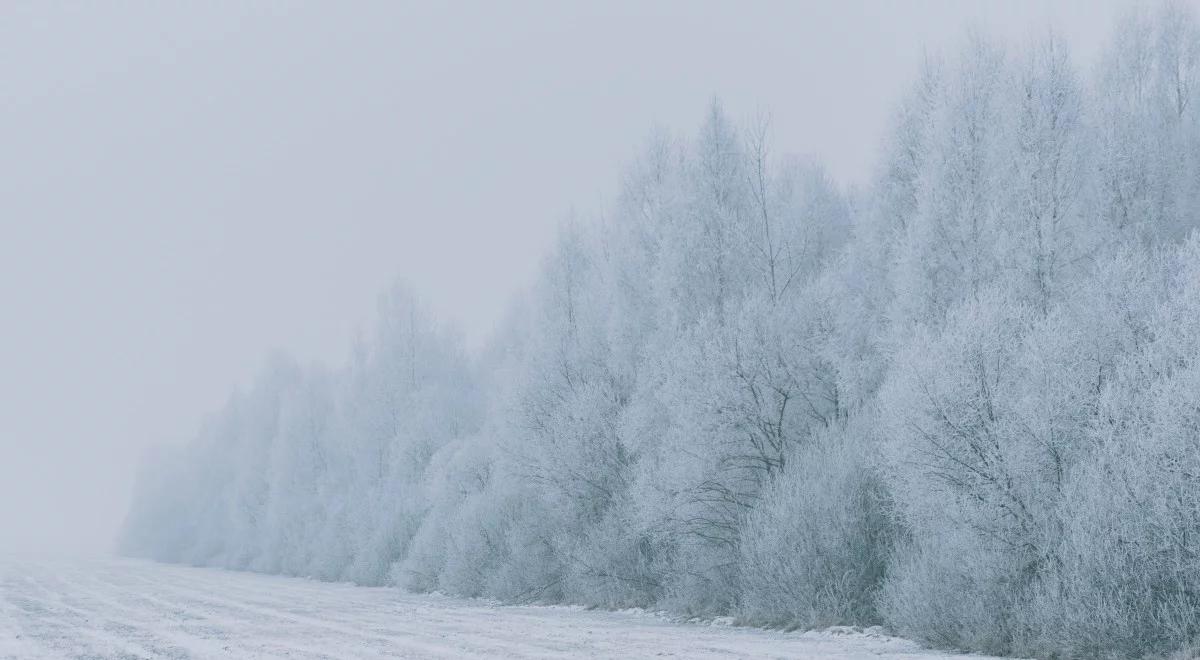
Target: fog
column 185, row 189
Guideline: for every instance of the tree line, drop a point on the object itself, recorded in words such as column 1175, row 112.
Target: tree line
column 962, row 402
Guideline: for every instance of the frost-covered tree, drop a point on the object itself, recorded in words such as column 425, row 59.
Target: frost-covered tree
column 1145, row 107
column 948, row 251
column 1049, row 237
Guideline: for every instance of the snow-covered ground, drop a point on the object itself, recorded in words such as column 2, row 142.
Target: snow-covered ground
column 117, row 608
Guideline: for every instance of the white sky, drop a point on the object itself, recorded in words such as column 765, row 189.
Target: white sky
column 187, row 186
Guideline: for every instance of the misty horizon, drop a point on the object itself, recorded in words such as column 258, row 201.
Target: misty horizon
column 170, row 165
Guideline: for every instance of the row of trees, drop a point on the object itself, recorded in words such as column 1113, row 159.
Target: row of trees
column 964, row 402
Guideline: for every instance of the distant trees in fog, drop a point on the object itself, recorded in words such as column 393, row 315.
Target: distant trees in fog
column 964, row 402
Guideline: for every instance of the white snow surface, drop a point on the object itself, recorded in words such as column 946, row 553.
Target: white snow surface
column 122, row 608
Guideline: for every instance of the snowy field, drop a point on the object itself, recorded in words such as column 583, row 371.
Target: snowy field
column 115, row 608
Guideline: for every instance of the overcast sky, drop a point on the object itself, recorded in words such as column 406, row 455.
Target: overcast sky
column 187, row 186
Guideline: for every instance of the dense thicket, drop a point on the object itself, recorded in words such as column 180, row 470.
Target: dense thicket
column 964, row 402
